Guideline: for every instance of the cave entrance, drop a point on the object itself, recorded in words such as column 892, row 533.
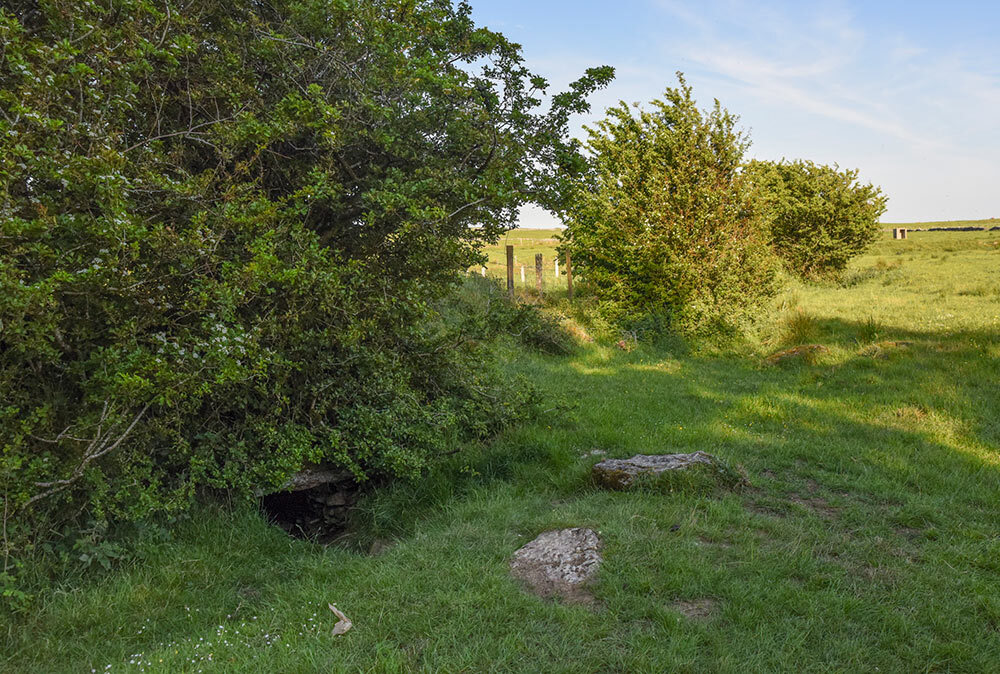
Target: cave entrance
column 314, row 510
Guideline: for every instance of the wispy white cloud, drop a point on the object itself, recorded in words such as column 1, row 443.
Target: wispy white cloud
column 909, row 97
column 779, row 82
column 796, row 61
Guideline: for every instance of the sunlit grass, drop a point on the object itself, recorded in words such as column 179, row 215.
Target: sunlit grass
column 868, row 541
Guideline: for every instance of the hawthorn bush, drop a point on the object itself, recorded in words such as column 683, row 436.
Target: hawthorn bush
column 821, row 217
column 227, row 232
column 665, row 226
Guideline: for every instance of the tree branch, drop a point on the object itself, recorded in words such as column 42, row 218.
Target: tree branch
column 100, row 445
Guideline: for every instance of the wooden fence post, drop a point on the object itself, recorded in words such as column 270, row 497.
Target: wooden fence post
column 557, row 268
column 569, row 277
column 510, row 271
column 523, row 282
column 538, row 272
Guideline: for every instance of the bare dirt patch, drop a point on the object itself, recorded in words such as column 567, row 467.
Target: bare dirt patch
column 806, row 353
column 695, row 609
column 882, row 350
column 767, row 510
column 909, row 533
column 380, row 546
column 911, row 412
column 877, row 574
column 816, row 504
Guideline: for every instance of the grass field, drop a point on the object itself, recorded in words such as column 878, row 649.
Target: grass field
column 528, row 242
column 868, row 541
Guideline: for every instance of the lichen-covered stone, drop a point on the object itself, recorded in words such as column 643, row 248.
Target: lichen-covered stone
column 646, row 469
column 311, row 477
column 559, row 563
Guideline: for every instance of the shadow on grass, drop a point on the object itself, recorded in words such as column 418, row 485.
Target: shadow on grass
column 871, row 527
column 910, row 425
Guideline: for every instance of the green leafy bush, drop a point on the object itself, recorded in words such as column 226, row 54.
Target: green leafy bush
column 821, row 217
column 226, row 233
column 482, row 307
column 665, row 222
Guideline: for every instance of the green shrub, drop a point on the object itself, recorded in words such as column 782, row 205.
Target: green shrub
column 821, row 217
column 482, row 307
column 665, row 224
column 226, row 233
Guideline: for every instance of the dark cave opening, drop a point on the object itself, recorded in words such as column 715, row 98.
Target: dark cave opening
column 319, row 514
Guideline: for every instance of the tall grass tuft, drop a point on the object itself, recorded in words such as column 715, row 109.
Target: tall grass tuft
column 800, row 328
column 870, row 331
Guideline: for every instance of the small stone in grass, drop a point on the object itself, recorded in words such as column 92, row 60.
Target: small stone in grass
column 559, row 563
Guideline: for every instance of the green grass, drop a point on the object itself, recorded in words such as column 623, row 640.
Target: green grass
column 868, row 541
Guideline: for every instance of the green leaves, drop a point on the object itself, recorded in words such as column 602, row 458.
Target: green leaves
column 664, row 223
column 231, row 224
column 821, row 217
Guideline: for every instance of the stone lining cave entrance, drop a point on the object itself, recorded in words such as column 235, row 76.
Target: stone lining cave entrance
column 315, row 504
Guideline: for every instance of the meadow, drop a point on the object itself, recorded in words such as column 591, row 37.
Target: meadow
column 867, row 541
column 527, row 243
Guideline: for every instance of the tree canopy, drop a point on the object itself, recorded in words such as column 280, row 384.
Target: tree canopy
column 223, row 231
column 665, row 222
column 820, row 216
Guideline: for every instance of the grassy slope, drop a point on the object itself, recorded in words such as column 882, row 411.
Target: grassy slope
column 869, row 539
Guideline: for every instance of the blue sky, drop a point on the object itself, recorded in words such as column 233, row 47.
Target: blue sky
column 907, row 92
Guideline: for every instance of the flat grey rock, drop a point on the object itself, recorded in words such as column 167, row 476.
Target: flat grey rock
column 623, row 473
column 559, row 563
column 311, row 477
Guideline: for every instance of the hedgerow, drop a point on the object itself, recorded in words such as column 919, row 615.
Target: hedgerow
column 226, row 233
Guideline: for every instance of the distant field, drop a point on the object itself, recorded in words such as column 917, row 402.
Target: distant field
column 991, row 222
column 528, row 242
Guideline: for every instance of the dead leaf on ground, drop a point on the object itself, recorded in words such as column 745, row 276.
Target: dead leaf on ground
column 343, row 622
